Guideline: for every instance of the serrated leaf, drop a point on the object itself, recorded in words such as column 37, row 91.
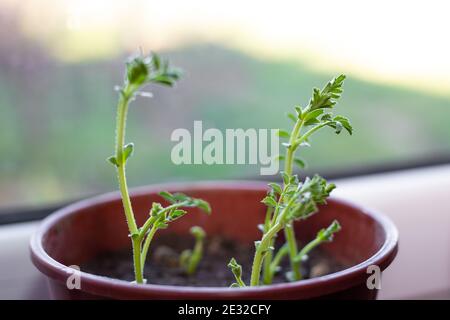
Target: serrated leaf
column 269, row 201
column 276, row 187
column 203, row 205
column 180, row 196
column 168, row 196
column 178, row 213
column 345, row 123
column 285, row 177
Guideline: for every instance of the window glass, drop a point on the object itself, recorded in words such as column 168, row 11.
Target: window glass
column 246, row 64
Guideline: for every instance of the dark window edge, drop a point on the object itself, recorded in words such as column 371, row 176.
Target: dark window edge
column 21, row 215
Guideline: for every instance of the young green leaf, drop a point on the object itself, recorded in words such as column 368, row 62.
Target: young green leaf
column 283, row 134
column 285, row 177
column 300, row 163
column 345, row 123
column 137, row 71
column 113, row 161
column 327, row 97
column 292, row 117
column 174, row 215
column 269, row 201
column 203, row 205
column 276, row 188
column 236, row 269
column 168, row 196
column 128, row 151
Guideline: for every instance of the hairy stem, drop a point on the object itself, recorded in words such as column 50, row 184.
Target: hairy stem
column 267, row 272
column 196, row 257
column 289, row 229
column 314, row 243
column 293, row 249
column 122, row 109
column 261, row 251
column 138, row 271
column 146, row 245
column 268, row 259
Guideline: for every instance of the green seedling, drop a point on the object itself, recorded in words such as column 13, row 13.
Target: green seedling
column 141, row 71
column 294, row 199
column 189, row 259
column 237, row 272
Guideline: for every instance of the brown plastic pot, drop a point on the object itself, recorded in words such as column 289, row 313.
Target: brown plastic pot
column 77, row 233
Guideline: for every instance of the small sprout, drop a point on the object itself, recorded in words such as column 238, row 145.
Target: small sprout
column 237, row 272
column 181, row 198
column 324, row 235
column 189, row 259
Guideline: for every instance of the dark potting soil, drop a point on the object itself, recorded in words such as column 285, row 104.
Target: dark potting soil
column 162, row 266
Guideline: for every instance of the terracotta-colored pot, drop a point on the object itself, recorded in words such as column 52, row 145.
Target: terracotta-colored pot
column 77, row 233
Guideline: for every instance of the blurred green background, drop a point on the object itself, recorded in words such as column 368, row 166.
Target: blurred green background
column 57, row 116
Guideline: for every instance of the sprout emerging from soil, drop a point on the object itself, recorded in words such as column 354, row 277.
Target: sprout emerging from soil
column 189, row 259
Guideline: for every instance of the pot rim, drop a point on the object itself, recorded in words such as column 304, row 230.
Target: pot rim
column 91, row 283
